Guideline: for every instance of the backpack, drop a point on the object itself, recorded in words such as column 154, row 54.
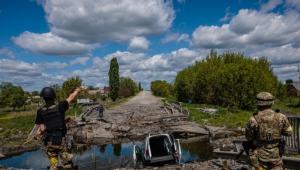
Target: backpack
column 268, row 127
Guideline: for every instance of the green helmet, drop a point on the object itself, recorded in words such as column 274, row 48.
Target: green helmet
column 265, row 99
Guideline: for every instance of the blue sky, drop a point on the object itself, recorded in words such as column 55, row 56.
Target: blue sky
column 45, row 42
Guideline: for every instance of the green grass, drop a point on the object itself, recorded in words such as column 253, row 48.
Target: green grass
column 18, row 125
column 233, row 118
column 224, row 116
column 21, row 122
column 291, row 105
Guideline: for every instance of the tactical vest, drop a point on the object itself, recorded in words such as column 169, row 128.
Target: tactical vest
column 52, row 118
column 268, row 127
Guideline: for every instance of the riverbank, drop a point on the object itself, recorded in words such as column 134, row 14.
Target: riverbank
column 212, row 115
column 15, row 127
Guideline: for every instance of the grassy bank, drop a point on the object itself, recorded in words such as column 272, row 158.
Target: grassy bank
column 291, row 105
column 233, row 117
column 223, row 116
column 20, row 123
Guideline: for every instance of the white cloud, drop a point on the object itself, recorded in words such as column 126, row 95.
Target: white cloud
column 6, row 52
column 80, row 60
column 140, row 67
column 30, row 75
column 279, row 55
column 286, row 71
column 275, row 36
column 250, row 28
column 270, row 5
column 228, row 15
column 19, row 72
column 293, row 4
column 50, row 44
column 75, row 25
column 139, row 44
column 52, row 65
column 101, row 21
column 13, row 67
column 175, row 37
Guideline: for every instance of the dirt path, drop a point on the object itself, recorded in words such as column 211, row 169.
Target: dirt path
column 144, row 98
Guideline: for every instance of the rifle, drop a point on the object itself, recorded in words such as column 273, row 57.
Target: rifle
column 247, row 145
column 281, row 146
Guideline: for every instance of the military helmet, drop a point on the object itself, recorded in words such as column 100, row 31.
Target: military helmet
column 48, row 92
column 265, row 99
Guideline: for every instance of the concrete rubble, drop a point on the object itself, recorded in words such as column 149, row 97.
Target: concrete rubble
column 134, row 121
column 214, row 164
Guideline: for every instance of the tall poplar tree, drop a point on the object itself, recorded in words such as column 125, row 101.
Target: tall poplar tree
column 114, row 79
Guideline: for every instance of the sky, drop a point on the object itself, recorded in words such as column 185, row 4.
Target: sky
column 45, row 42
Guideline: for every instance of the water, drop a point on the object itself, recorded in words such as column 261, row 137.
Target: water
column 104, row 157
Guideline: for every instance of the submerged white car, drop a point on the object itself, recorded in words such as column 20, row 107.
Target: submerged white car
column 156, row 149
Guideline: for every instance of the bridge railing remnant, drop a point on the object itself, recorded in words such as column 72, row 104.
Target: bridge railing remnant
column 293, row 142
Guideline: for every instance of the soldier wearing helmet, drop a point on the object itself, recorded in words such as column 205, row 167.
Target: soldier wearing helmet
column 50, row 121
column 264, row 129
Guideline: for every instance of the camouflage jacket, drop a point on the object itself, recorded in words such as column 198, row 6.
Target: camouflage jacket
column 265, row 129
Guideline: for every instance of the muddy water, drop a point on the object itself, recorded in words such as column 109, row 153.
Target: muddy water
column 105, row 156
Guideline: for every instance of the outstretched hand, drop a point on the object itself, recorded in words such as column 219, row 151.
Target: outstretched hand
column 73, row 95
column 78, row 89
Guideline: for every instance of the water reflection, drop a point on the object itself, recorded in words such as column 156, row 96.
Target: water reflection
column 117, row 149
column 102, row 148
column 200, row 150
column 104, row 156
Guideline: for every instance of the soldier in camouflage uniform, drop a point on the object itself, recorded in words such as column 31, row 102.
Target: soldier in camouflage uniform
column 265, row 129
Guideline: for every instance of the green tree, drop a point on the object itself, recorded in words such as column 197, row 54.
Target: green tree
column 35, row 93
column 127, row 87
column 289, row 82
column 114, row 77
column 161, row 88
column 229, row 79
column 70, row 85
column 140, row 87
column 12, row 96
column 91, row 87
column 58, row 91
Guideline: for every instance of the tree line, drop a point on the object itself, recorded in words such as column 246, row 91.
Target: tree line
column 15, row 97
column 228, row 79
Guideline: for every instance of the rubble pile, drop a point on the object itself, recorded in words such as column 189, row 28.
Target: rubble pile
column 210, row 164
column 135, row 121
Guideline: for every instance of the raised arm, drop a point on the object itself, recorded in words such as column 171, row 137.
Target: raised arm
column 73, row 95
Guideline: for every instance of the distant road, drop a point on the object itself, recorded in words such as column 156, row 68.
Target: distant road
column 144, row 98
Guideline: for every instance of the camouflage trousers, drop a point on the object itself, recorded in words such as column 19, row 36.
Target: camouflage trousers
column 259, row 162
column 56, row 151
